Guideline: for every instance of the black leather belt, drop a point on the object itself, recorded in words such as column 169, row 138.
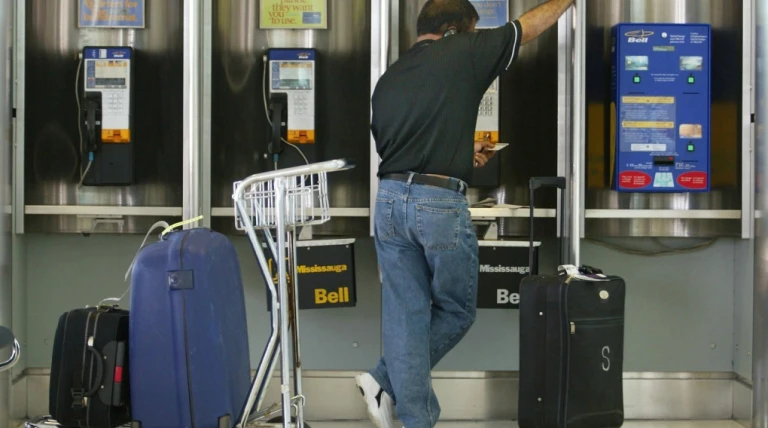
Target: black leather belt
column 429, row 180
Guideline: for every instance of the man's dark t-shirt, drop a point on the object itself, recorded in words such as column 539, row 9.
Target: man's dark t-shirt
column 425, row 105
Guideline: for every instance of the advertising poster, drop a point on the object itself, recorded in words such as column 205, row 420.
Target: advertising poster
column 294, row 14
column 111, row 13
column 493, row 13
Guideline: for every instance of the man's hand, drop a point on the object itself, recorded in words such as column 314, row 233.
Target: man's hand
column 482, row 154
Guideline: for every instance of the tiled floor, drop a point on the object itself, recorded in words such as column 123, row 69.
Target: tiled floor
column 630, row 424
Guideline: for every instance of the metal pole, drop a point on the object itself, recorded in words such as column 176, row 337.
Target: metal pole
column 760, row 301
column 380, row 39
column 193, row 108
column 579, row 133
column 747, row 131
column 285, row 341
column 564, row 120
column 19, row 102
column 206, row 61
column 6, row 318
column 297, row 370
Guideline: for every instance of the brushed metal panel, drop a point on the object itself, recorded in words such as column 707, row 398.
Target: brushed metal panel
column 472, row 396
column 742, row 403
column 528, row 119
column 760, row 300
column 238, row 121
column 6, row 137
column 37, row 394
column 51, row 143
column 19, row 398
column 483, row 396
column 699, row 399
column 725, row 16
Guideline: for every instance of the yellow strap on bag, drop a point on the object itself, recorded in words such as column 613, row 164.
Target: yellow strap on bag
column 130, row 268
column 181, row 223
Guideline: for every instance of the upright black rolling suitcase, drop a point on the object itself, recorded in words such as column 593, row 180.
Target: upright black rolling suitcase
column 571, row 345
column 89, row 379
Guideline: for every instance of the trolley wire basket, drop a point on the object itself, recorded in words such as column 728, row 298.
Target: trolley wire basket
column 306, row 201
column 281, row 201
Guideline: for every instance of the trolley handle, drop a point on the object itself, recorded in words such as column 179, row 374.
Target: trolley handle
column 8, row 339
column 313, row 168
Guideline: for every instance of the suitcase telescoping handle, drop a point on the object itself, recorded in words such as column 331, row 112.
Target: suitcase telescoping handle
column 536, row 183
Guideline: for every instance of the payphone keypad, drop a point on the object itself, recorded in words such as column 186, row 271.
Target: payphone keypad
column 487, row 128
column 487, row 105
column 301, row 105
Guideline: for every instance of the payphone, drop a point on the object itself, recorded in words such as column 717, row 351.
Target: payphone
column 291, row 87
column 106, row 116
column 660, row 131
column 493, row 14
column 487, row 128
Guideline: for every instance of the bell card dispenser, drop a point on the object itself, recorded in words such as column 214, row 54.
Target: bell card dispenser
column 660, row 110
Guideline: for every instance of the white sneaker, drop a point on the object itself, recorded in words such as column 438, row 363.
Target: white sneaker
column 381, row 409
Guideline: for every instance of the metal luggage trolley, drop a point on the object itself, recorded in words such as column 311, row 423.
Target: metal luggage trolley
column 283, row 200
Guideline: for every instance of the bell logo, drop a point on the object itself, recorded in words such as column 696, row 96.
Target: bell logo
column 323, row 297
column 639, row 36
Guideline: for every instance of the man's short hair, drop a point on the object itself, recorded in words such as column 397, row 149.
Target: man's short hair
column 438, row 15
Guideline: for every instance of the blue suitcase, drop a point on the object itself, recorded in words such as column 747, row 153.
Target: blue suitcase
column 188, row 345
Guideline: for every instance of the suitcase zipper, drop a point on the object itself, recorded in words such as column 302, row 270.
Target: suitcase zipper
column 186, row 334
column 593, row 321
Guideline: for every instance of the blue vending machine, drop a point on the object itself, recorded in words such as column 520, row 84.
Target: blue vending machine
column 660, row 109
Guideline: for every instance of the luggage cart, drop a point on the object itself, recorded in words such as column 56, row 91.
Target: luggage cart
column 283, row 200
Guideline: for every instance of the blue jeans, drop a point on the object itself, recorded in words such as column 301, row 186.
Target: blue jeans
column 428, row 257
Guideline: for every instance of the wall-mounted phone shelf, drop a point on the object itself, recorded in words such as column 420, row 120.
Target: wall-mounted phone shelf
column 664, row 214
column 101, row 210
column 334, row 212
column 476, row 212
column 522, row 212
column 365, row 212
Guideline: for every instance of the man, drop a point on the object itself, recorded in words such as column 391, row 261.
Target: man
column 424, row 115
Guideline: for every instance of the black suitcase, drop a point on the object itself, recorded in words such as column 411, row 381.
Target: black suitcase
column 89, row 369
column 571, row 345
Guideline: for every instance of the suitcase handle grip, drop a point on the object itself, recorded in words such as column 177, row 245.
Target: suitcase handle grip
column 533, row 184
column 99, row 371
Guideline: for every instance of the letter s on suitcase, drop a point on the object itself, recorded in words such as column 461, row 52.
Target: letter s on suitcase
column 571, row 348
column 89, row 379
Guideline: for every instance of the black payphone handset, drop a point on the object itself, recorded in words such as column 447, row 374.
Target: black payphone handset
column 106, row 116
column 278, row 110
column 92, row 109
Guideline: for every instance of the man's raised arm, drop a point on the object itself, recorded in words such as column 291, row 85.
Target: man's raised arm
column 537, row 20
